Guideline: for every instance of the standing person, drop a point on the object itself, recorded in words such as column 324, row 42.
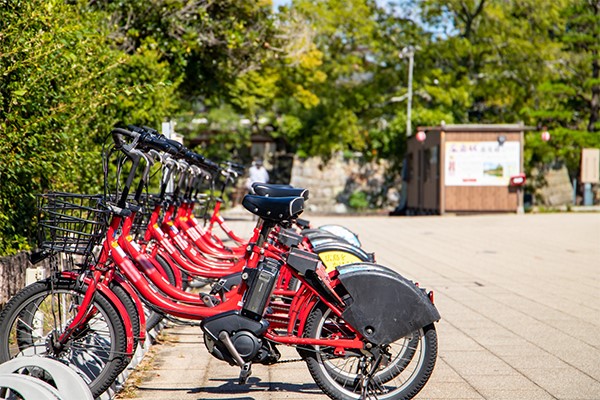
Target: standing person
column 257, row 173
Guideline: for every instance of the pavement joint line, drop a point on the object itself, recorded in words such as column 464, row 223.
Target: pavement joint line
column 461, row 377
column 497, row 356
column 519, row 335
column 518, row 293
column 516, row 310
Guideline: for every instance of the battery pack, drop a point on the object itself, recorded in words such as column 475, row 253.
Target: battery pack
column 260, row 289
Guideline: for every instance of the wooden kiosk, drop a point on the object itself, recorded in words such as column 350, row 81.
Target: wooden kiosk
column 464, row 169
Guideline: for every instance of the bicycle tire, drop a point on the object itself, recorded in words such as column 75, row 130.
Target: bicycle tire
column 410, row 380
column 132, row 312
column 97, row 352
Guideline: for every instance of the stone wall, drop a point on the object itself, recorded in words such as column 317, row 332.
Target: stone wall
column 555, row 187
column 331, row 184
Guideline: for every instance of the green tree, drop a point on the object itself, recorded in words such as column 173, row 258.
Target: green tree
column 521, row 62
column 343, row 101
column 206, row 43
column 62, row 87
column 499, row 51
column 568, row 103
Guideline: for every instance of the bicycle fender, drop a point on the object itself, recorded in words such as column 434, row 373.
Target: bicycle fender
column 114, row 300
column 385, row 306
column 105, row 290
column 119, row 280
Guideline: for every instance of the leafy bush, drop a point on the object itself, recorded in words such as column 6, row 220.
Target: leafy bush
column 359, row 201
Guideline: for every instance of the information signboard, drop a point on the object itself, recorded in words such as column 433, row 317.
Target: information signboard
column 481, row 163
column 590, row 165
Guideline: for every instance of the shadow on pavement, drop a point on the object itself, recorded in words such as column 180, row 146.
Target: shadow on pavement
column 255, row 384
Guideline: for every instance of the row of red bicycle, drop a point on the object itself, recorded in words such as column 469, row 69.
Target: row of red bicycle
column 133, row 259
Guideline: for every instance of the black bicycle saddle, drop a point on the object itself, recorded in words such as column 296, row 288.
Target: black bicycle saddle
column 274, row 208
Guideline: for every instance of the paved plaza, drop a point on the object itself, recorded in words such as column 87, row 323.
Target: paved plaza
column 519, row 297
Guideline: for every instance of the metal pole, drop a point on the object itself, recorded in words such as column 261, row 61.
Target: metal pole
column 166, row 131
column 411, row 54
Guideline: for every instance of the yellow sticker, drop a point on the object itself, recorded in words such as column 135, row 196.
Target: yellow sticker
column 333, row 259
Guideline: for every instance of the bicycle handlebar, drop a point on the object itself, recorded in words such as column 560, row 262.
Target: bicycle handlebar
column 161, row 143
column 146, row 139
column 239, row 168
column 117, row 134
column 199, row 160
column 149, row 139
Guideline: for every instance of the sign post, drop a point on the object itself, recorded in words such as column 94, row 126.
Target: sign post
column 590, row 173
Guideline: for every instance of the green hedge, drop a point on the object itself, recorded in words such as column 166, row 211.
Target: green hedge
column 62, row 87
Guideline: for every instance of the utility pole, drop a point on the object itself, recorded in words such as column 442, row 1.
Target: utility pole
column 410, row 52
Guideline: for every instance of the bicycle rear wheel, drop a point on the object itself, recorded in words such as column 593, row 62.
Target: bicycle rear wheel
column 38, row 314
column 397, row 371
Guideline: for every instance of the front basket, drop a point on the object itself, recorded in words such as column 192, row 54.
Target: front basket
column 71, row 223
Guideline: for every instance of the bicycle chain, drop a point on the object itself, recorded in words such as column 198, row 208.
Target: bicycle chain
column 293, row 360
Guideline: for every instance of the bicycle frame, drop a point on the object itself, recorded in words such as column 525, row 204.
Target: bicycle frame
column 204, row 239
column 302, row 303
column 86, row 311
column 218, row 219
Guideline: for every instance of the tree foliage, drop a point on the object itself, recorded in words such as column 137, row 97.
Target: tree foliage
column 62, row 87
column 320, row 76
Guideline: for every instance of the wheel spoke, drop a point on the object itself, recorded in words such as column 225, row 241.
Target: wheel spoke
column 39, row 313
column 397, row 370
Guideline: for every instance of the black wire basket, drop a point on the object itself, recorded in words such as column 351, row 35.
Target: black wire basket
column 71, row 223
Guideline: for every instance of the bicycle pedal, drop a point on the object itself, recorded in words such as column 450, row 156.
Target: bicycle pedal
column 209, row 300
column 217, row 287
column 245, row 372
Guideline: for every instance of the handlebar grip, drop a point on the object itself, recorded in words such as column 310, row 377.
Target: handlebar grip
column 154, row 140
column 199, row 160
column 239, row 168
column 118, row 133
column 193, row 157
column 176, row 145
column 211, row 164
column 135, row 128
column 161, row 143
column 150, row 130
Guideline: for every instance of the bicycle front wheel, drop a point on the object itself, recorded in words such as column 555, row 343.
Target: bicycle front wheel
column 36, row 316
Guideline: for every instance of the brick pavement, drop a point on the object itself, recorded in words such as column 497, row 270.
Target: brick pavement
column 519, row 297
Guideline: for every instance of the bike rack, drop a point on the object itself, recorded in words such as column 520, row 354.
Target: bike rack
column 28, row 387
column 139, row 355
column 69, row 385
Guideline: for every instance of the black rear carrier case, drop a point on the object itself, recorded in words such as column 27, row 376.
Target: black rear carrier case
column 385, row 306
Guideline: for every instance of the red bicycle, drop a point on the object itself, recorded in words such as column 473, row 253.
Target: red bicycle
column 363, row 330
